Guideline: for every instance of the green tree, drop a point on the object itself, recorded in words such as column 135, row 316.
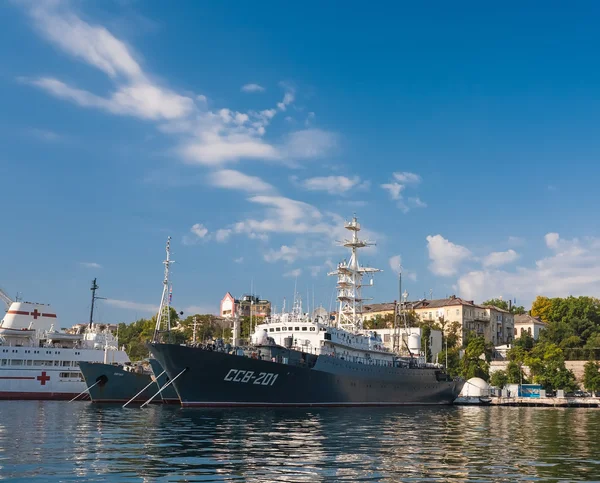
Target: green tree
column 476, row 358
column 547, row 365
column 541, row 308
column 453, row 333
column 380, row 322
column 518, row 310
column 501, row 304
column 454, row 367
column 591, row 376
column 525, row 342
column 498, row 379
column 514, row 373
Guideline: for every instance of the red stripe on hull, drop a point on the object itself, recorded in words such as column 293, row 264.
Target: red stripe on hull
column 37, row 396
column 49, row 315
column 16, row 377
column 17, row 312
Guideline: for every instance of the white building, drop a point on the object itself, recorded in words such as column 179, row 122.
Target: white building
column 434, row 344
column 530, row 325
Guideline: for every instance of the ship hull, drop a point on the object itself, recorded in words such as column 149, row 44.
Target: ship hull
column 207, row 378
column 44, row 373
column 112, row 384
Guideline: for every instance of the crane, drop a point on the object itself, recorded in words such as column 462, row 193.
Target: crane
column 5, row 298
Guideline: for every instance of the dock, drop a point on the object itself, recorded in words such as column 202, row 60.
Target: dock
column 578, row 402
column 559, row 402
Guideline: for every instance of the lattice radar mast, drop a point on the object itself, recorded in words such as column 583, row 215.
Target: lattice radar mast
column 349, row 284
column 164, row 311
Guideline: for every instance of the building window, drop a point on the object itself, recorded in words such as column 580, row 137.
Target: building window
column 457, row 311
column 304, row 329
column 515, row 331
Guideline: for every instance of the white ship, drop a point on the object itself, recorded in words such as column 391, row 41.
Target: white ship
column 37, row 361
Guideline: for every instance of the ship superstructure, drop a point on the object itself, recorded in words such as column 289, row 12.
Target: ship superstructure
column 350, row 276
column 38, row 361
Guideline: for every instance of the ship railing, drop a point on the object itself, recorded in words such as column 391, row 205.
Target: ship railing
column 362, row 360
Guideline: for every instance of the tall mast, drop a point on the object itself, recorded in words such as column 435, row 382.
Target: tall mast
column 94, row 298
column 349, row 284
column 398, row 314
column 164, row 311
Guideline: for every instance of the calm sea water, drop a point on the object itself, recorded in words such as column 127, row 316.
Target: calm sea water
column 59, row 441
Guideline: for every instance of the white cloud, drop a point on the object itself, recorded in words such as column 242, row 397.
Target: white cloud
column 496, row 259
column 213, row 149
column 231, row 179
column 308, row 143
column 284, row 215
column 202, row 136
column 335, row 185
column 127, row 304
column 572, row 269
column 395, row 190
column 199, row 230
column 91, row 43
column 45, row 135
column 417, row 203
column 406, row 177
column 395, row 263
column 285, row 253
column 293, row 273
column 90, row 264
column 238, row 260
column 396, row 187
column 288, row 98
column 552, row 240
column 253, row 88
column 223, row 234
column 142, row 100
column 315, row 270
column 445, row 256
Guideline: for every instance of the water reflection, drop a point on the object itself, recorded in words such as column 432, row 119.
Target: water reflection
column 53, row 441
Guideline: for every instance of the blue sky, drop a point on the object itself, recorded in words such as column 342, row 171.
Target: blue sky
column 463, row 137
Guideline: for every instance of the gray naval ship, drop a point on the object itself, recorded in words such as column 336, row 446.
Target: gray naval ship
column 296, row 360
column 109, row 383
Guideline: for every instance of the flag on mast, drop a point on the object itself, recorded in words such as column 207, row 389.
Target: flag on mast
column 170, row 294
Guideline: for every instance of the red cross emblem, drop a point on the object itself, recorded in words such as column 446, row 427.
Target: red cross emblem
column 35, row 314
column 43, row 378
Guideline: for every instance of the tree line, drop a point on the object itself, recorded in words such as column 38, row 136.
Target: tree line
column 136, row 336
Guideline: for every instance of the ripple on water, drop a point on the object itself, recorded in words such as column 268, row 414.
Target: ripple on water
column 53, row 441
